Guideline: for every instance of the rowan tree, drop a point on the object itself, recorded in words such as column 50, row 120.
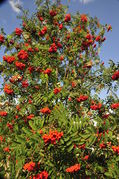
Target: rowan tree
column 53, row 124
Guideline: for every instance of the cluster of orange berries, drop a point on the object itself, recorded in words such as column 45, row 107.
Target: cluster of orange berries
column 52, row 137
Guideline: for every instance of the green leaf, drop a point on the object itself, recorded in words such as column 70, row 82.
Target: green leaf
column 69, row 143
column 32, row 125
column 27, row 131
column 70, row 148
column 20, row 139
column 92, row 140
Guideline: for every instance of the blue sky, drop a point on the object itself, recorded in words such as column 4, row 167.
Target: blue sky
column 107, row 11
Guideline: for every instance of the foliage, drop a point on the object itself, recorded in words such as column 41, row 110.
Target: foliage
column 51, row 126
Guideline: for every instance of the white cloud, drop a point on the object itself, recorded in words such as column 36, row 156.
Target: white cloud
column 87, row 1
column 15, row 4
column 84, row 1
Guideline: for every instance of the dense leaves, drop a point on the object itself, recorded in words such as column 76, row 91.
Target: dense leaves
column 51, row 126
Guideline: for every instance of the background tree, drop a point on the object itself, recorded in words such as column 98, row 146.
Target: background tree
column 51, row 126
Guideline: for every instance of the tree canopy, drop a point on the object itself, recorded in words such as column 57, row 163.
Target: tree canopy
column 53, row 123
